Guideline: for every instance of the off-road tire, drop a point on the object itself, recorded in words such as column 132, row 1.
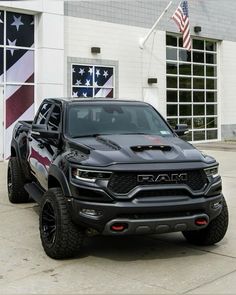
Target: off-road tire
column 213, row 233
column 16, row 182
column 68, row 238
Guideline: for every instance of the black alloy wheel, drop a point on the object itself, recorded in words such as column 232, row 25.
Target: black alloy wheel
column 60, row 237
column 49, row 224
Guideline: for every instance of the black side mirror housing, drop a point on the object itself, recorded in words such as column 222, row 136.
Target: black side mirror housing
column 181, row 129
column 40, row 131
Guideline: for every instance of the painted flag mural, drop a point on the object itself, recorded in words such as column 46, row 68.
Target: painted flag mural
column 181, row 18
column 92, row 81
column 18, row 78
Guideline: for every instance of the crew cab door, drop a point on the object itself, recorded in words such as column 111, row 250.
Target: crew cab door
column 42, row 150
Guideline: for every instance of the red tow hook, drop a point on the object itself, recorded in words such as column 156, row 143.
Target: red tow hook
column 118, row 227
column 201, row 221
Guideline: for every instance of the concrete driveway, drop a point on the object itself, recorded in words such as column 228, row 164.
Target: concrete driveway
column 163, row 264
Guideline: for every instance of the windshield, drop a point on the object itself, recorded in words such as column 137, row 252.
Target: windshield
column 112, row 118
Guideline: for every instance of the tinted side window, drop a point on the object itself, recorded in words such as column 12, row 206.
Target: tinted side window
column 42, row 116
column 55, row 119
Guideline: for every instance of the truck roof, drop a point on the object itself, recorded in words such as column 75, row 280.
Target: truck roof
column 93, row 100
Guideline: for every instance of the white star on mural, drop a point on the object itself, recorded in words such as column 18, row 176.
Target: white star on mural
column 105, row 74
column 78, row 82
column 87, row 82
column 75, row 94
column 17, row 22
column 81, row 71
column 98, row 73
column 90, row 71
column 96, row 84
column 12, row 43
column 84, row 94
column 73, row 70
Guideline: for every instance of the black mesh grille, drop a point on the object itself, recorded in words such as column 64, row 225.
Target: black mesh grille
column 162, row 193
column 123, row 182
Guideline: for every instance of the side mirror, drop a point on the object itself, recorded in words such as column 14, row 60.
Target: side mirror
column 40, row 131
column 181, row 129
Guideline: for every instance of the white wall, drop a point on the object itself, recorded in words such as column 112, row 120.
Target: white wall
column 121, row 43
column 228, row 82
column 227, row 89
column 50, row 51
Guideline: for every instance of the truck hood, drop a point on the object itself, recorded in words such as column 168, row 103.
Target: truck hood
column 108, row 150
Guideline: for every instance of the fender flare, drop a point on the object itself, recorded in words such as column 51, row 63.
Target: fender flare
column 58, row 174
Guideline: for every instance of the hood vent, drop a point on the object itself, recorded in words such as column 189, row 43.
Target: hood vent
column 142, row 148
column 80, row 147
column 112, row 145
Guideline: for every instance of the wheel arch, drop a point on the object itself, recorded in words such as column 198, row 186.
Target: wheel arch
column 56, row 178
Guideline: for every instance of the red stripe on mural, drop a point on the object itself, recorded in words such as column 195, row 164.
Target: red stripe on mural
column 19, row 102
column 31, row 79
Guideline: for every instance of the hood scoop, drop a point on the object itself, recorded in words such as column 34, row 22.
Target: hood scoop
column 142, row 148
column 111, row 145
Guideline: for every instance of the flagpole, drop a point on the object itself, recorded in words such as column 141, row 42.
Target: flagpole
column 142, row 41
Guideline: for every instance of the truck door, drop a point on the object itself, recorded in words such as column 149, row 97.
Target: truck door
column 37, row 159
column 42, row 150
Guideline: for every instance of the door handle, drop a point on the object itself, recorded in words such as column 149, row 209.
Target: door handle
column 41, row 145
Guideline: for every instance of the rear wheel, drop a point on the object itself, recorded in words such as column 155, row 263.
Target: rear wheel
column 59, row 235
column 213, row 233
column 15, row 182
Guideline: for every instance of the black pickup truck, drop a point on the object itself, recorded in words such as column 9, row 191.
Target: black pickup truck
column 113, row 167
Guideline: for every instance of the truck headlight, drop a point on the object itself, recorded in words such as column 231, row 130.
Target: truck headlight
column 90, row 175
column 213, row 171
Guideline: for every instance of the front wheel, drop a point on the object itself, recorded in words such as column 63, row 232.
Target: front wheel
column 213, row 233
column 59, row 235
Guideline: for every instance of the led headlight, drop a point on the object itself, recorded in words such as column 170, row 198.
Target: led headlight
column 90, row 175
column 213, row 171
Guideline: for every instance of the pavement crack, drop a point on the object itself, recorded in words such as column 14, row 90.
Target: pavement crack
column 215, row 253
column 207, row 283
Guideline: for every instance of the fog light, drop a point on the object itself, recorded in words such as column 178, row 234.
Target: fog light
column 91, row 212
column 216, row 205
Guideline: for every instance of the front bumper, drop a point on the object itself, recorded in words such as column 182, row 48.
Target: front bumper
column 158, row 225
column 146, row 217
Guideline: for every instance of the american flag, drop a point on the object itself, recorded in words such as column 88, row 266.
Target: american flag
column 92, row 81
column 19, row 70
column 181, row 17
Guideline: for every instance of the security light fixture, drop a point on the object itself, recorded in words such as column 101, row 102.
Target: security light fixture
column 95, row 50
column 197, row 29
column 152, row 80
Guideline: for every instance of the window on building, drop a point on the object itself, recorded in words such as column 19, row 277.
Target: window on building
column 92, row 81
column 17, row 54
column 192, row 87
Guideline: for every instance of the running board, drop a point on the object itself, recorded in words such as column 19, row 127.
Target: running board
column 34, row 191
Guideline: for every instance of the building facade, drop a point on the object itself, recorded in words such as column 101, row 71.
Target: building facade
column 90, row 48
